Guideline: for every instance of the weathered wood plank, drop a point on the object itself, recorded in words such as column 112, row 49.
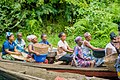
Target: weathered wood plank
column 41, row 73
column 17, row 76
column 54, row 66
column 98, row 72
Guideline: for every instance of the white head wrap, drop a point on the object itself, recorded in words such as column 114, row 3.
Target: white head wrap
column 30, row 37
column 87, row 34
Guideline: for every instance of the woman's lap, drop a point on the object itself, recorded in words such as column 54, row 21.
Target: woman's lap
column 67, row 57
column 84, row 63
column 7, row 57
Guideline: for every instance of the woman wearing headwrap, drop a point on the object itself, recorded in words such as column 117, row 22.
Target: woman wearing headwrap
column 87, row 49
column 9, row 50
column 79, row 59
column 29, row 37
column 33, row 40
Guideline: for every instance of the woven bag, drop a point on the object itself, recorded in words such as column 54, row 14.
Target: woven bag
column 41, row 48
column 110, row 61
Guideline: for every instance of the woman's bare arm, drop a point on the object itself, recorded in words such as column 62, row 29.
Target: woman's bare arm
column 66, row 50
column 32, row 51
column 10, row 52
column 69, row 48
column 15, row 50
column 91, row 47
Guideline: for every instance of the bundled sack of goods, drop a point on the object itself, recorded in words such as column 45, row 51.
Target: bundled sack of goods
column 110, row 60
column 41, row 48
column 43, row 51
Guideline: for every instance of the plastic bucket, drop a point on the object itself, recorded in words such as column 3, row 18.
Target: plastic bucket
column 40, row 58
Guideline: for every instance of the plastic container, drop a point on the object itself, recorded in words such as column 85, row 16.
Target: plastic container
column 40, row 58
column 99, row 53
column 52, row 53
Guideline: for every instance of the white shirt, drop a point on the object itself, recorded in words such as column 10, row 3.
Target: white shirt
column 86, row 50
column 60, row 51
column 20, row 45
column 109, row 45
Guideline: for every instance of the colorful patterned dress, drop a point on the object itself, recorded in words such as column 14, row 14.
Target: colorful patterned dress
column 81, row 60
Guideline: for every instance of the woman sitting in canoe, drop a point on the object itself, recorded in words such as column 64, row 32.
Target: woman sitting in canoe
column 63, row 49
column 87, row 48
column 9, row 51
column 33, row 40
column 78, row 58
column 44, row 40
column 20, row 44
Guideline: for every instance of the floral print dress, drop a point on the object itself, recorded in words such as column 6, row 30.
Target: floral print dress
column 80, row 59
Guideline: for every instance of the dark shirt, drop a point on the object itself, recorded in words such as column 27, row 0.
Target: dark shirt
column 9, row 46
column 45, row 42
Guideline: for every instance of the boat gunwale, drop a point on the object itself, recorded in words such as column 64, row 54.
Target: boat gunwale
column 60, row 67
column 102, row 73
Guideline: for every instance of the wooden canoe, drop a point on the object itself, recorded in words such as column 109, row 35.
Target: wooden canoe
column 11, row 75
column 101, row 72
column 33, row 72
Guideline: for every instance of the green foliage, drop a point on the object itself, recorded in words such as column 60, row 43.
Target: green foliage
column 75, row 17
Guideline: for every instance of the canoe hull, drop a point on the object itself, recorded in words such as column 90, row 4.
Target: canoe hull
column 104, row 74
column 97, row 72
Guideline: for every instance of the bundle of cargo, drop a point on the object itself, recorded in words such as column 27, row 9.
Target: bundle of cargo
column 110, row 60
column 41, row 48
column 43, row 51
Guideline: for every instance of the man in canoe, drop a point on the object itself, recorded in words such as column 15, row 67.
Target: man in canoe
column 111, row 50
column 113, row 53
column 110, row 47
column 87, row 49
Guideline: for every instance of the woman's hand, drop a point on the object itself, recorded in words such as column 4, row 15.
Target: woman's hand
column 88, row 59
column 37, row 53
column 11, row 52
column 17, row 53
column 70, row 51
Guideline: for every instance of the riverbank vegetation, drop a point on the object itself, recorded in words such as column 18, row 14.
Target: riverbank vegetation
column 74, row 17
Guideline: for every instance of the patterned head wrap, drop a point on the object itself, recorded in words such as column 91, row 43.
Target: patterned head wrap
column 8, row 34
column 77, row 39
